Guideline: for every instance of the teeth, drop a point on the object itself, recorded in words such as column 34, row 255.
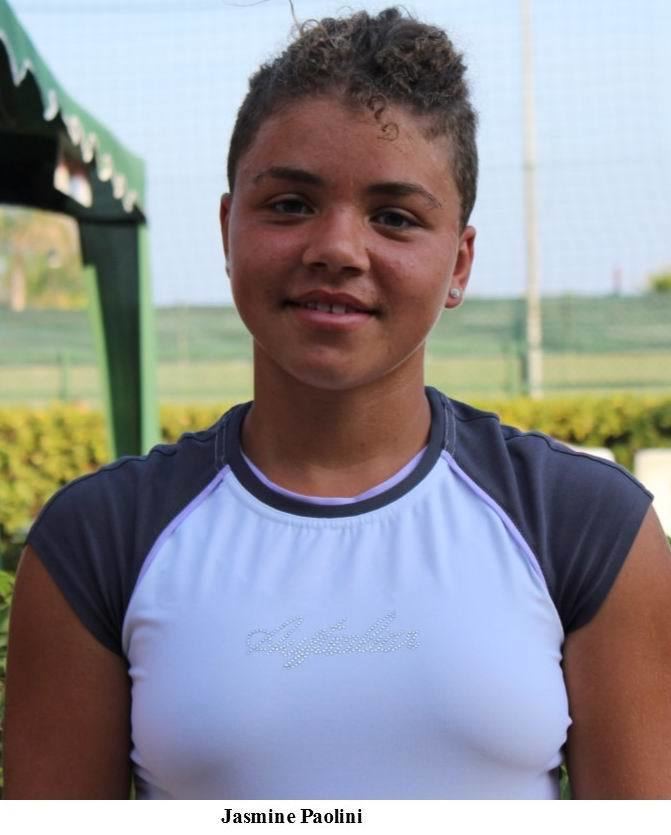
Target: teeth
column 329, row 308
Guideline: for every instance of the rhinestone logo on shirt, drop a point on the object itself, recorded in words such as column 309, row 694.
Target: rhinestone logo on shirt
column 329, row 641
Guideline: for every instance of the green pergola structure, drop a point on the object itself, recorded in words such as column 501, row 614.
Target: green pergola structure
column 56, row 156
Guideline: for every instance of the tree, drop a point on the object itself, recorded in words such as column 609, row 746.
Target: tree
column 660, row 282
column 40, row 264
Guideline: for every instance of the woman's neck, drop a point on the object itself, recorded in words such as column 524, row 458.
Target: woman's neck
column 327, row 443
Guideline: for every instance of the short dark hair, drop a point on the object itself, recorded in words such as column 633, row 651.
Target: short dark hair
column 371, row 61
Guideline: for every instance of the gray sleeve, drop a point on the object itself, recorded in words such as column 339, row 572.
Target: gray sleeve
column 95, row 533
column 584, row 521
column 578, row 514
column 84, row 536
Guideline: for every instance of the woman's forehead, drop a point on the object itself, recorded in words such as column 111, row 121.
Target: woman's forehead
column 387, row 116
column 330, row 131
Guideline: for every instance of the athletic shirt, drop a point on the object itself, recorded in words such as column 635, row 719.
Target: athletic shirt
column 404, row 644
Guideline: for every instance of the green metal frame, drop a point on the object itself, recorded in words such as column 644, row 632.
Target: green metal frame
column 38, row 119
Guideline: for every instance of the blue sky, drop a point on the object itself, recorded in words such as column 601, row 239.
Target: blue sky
column 168, row 75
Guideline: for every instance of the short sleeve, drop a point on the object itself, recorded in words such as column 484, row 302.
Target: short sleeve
column 95, row 533
column 586, row 515
column 83, row 536
column 578, row 514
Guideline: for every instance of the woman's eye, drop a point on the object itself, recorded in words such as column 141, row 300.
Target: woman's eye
column 290, row 206
column 394, row 219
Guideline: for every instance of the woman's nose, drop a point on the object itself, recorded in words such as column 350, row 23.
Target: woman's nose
column 337, row 243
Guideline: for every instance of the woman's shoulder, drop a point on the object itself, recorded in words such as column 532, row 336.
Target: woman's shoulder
column 166, row 471
column 577, row 513
column 95, row 533
column 534, row 460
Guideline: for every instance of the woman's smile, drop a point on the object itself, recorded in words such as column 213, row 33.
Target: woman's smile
column 336, row 316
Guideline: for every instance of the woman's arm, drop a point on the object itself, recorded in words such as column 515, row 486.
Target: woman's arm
column 67, row 716
column 618, row 675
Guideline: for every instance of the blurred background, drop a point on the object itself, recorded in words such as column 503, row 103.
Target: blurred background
column 167, row 77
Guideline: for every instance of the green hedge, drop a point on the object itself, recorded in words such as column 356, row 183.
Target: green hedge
column 623, row 423
column 42, row 449
column 6, row 586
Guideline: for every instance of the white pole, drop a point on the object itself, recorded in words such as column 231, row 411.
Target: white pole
column 534, row 321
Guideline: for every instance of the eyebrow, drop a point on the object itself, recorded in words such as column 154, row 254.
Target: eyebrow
column 402, row 189
column 296, row 175
column 389, row 189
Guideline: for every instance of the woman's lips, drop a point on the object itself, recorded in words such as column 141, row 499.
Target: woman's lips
column 331, row 316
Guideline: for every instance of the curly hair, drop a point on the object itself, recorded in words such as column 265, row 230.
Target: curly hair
column 372, row 62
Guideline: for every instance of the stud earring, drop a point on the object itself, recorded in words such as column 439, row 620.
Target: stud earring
column 455, row 293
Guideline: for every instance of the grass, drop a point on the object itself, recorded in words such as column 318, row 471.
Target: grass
column 463, row 377
column 482, row 327
column 593, row 344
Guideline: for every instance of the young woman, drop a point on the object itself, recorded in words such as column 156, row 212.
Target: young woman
column 353, row 587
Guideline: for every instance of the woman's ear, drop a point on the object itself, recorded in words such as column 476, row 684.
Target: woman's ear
column 462, row 268
column 224, row 216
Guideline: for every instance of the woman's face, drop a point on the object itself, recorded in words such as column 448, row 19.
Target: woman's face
column 342, row 244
